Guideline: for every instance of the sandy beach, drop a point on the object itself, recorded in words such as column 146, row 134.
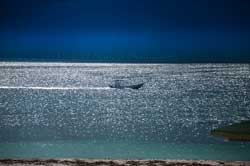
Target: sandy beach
column 96, row 162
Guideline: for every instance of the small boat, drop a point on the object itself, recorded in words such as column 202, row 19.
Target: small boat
column 119, row 86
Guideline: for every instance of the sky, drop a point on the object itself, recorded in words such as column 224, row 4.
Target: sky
column 161, row 31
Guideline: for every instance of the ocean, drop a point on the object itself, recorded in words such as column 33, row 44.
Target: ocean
column 67, row 110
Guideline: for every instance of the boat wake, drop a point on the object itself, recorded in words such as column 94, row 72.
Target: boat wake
column 53, row 88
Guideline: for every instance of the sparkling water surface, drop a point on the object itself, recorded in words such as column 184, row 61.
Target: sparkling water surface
column 66, row 110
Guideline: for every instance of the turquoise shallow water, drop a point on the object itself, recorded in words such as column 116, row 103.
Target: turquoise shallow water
column 124, row 150
column 60, row 110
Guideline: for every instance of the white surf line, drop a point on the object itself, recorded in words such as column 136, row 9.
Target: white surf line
column 52, row 88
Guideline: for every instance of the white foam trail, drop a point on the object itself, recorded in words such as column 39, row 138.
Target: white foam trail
column 52, row 88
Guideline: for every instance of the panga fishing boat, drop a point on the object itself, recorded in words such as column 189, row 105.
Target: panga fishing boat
column 119, row 86
column 234, row 132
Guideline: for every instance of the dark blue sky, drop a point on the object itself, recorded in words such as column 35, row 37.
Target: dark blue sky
column 125, row 30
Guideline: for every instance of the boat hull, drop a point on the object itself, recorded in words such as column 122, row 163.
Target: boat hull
column 137, row 86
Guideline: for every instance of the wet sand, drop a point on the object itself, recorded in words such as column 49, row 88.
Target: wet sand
column 88, row 162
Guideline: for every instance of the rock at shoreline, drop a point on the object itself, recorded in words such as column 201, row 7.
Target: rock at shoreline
column 234, row 132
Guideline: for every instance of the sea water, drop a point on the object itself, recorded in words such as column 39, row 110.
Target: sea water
column 67, row 110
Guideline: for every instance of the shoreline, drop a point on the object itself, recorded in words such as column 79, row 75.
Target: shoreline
column 117, row 162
